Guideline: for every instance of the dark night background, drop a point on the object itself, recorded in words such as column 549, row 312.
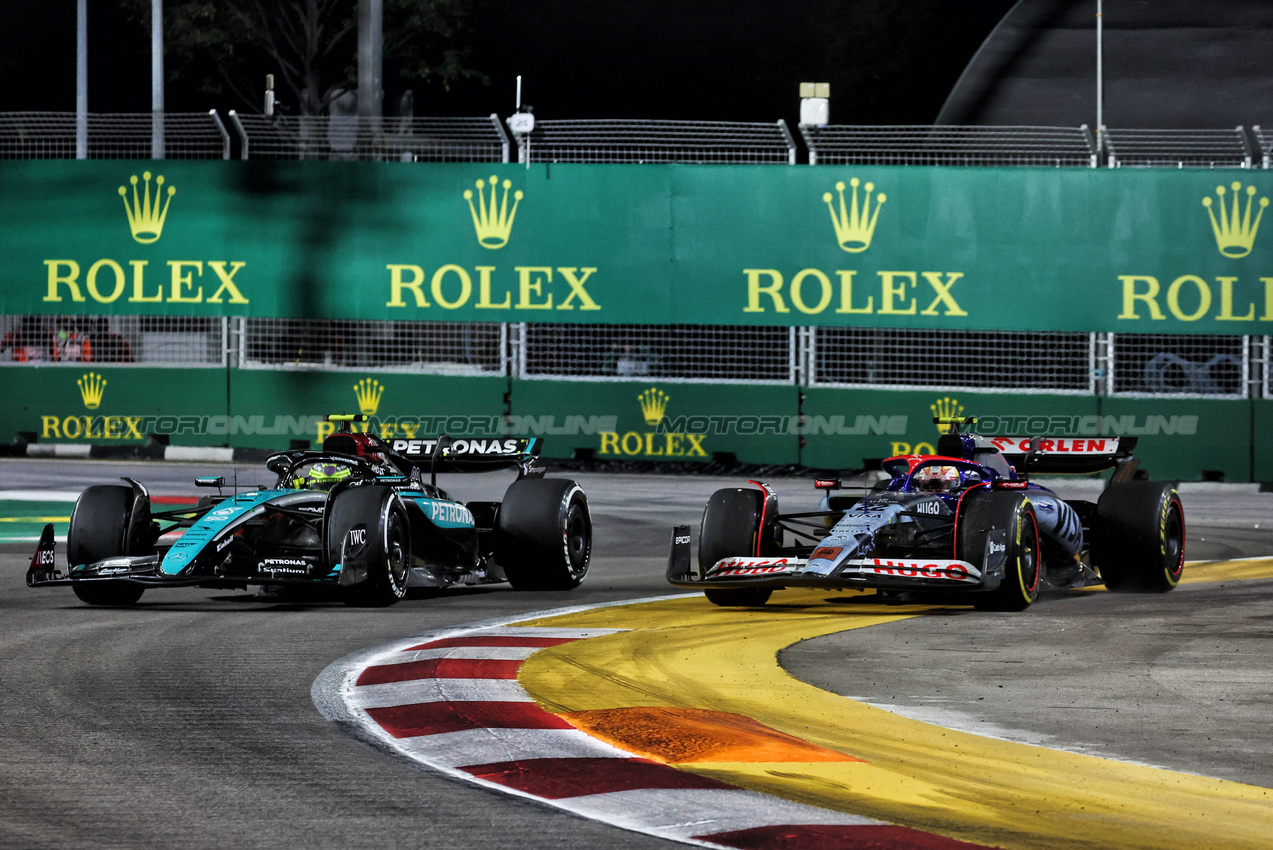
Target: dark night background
column 724, row 60
column 1168, row 63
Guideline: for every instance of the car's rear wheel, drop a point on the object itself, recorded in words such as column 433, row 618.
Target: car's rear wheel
column 1140, row 537
column 543, row 534
column 982, row 518
column 731, row 528
column 369, row 535
column 99, row 529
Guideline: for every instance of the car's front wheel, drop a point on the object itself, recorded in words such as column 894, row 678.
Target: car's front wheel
column 99, row 529
column 369, row 535
column 991, row 520
column 732, row 527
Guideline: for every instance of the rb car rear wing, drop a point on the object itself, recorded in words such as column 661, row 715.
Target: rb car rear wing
column 1048, row 454
column 1063, row 455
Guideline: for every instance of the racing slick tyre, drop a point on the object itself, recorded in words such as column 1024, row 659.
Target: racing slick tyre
column 99, row 529
column 731, row 527
column 368, row 534
column 1013, row 513
column 543, row 534
column 1140, row 537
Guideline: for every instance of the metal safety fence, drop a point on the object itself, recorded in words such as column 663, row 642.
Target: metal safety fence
column 449, row 348
column 188, row 341
column 1265, row 140
column 339, row 137
column 1177, row 148
column 1051, row 362
column 638, row 141
column 1172, row 364
column 55, row 135
column 703, row 353
column 1019, row 362
column 950, row 145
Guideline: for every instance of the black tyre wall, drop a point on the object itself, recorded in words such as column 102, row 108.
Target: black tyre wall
column 1139, row 536
column 543, row 534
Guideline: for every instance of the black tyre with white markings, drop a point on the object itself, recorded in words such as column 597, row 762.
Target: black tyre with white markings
column 543, row 534
column 367, row 533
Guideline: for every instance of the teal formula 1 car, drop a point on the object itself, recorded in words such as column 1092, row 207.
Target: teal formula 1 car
column 361, row 516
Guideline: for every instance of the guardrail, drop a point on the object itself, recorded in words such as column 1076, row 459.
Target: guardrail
column 386, row 140
column 52, row 135
column 640, row 141
column 950, row 145
column 1178, row 148
column 1265, row 141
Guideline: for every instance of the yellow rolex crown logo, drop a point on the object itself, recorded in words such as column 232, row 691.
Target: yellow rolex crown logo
column 368, row 391
column 854, row 224
column 945, row 408
column 493, row 221
column 92, row 386
column 1234, row 230
column 653, row 404
column 146, row 218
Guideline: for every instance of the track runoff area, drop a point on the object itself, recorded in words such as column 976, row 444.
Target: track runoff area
column 673, row 717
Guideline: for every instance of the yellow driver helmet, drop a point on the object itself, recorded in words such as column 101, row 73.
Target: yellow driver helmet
column 319, row 475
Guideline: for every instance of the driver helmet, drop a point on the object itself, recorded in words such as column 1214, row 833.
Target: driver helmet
column 320, row 475
column 938, row 479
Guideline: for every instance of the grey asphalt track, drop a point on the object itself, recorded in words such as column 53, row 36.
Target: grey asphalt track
column 187, row 721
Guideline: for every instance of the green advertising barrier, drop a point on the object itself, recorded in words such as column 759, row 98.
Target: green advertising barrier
column 821, row 427
column 1124, row 250
column 847, row 428
column 125, row 406
column 1189, row 439
column 112, row 405
column 654, row 420
column 401, row 405
column 1262, row 440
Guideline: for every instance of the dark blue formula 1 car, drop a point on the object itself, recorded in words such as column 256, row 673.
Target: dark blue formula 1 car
column 962, row 525
column 361, row 516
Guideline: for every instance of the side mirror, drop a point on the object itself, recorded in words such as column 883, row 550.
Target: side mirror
column 210, row 481
column 278, row 464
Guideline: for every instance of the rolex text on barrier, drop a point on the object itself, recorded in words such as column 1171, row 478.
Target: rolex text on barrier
column 1123, row 250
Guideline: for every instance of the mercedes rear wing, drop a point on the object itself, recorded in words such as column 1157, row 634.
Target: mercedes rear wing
column 475, row 454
